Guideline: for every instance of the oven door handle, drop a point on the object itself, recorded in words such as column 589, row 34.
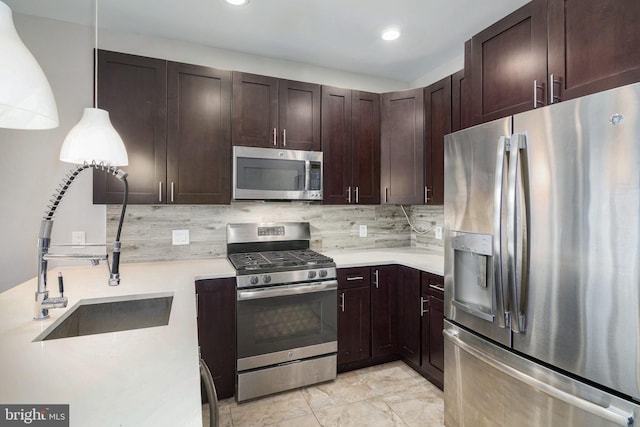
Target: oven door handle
column 285, row 290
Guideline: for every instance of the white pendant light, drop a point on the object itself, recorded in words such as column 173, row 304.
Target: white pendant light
column 94, row 139
column 26, row 99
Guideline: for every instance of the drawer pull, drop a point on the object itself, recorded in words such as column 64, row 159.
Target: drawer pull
column 437, row 288
column 355, row 278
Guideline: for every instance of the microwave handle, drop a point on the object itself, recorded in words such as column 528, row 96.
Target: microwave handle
column 307, row 175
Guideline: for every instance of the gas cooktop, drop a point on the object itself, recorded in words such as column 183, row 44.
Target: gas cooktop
column 275, row 253
column 255, row 262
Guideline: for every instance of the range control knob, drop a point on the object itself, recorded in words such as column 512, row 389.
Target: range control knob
column 266, row 279
column 323, row 273
column 311, row 274
column 253, row 280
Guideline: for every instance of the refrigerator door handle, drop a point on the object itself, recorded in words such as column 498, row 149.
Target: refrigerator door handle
column 499, row 270
column 610, row 413
column 517, row 220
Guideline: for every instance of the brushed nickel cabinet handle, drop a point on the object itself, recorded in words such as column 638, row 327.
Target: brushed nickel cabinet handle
column 173, row 185
column 349, row 194
column 423, row 311
column 160, row 191
column 355, row 278
column 552, row 82
column 357, row 195
column 376, row 278
column 342, row 301
column 436, row 287
column 284, row 137
column 275, row 136
column 536, row 86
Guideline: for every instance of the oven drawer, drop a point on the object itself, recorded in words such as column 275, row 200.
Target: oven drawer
column 285, row 377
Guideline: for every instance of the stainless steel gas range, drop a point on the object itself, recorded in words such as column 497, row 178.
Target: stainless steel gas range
column 286, row 308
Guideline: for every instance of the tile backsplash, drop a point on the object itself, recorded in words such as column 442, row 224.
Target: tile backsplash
column 147, row 230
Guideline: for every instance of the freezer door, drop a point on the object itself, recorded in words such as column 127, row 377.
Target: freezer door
column 488, row 386
column 475, row 180
column 582, row 299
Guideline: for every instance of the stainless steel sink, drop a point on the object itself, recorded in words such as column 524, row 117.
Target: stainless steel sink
column 102, row 315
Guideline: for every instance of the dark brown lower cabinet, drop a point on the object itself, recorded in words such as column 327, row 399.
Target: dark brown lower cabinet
column 217, row 331
column 409, row 314
column 384, row 311
column 354, row 315
column 432, row 340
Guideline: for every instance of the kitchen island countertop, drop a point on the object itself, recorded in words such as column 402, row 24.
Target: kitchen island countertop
column 141, row 377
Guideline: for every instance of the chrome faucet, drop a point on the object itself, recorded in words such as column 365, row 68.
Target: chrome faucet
column 42, row 301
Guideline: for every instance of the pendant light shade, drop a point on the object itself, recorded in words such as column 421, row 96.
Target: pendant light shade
column 94, row 139
column 26, row 99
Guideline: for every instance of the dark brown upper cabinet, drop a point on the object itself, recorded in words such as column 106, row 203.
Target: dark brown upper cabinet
column 460, row 93
column 199, row 135
column 402, row 147
column 133, row 90
column 275, row 113
column 509, row 64
column 552, row 50
column 175, row 120
column 351, row 146
column 437, row 112
column 594, row 45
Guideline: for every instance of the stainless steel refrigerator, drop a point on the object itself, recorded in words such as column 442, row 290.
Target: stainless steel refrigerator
column 542, row 266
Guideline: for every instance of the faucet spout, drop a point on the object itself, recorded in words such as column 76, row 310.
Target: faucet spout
column 42, row 301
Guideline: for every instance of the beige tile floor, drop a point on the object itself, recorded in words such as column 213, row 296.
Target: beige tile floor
column 392, row 394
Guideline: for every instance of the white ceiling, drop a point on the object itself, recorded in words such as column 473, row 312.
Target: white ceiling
column 340, row 34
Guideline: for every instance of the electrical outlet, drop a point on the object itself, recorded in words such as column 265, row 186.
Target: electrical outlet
column 78, row 239
column 363, row 230
column 180, row 237
column 438, row 232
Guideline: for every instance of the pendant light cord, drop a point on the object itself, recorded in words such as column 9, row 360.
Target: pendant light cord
column 95, row 59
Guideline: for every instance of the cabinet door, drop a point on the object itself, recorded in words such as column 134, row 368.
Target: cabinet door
column 199, row 134
column 432, row 359
column 402, row 166
column 299, row 116
column 217, row 331
column 437, row 112
column 354, row 325
column 366, row 147
column 409, row 314
column 436, row 325
column 594, row 45
column 507, row 58
column 460, row 96
column 133, row 90
column 384, row 311
column 336, row 146
column 255, row 110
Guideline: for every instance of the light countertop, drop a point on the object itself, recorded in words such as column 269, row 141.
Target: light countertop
column 142, row 377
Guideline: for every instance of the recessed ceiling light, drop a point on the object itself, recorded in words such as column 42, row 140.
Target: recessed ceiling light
column 237, row 2
column 391, row 34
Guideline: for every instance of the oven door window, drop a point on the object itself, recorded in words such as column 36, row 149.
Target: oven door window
column 268, row 325
column 270, row 174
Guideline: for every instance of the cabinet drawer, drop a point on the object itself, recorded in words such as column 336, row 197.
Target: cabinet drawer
column 433, row 284
column 353, row 277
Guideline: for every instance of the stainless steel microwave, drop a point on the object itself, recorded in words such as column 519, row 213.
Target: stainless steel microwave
column 275, row 174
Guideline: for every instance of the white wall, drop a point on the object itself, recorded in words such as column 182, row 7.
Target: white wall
column 30, row 167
